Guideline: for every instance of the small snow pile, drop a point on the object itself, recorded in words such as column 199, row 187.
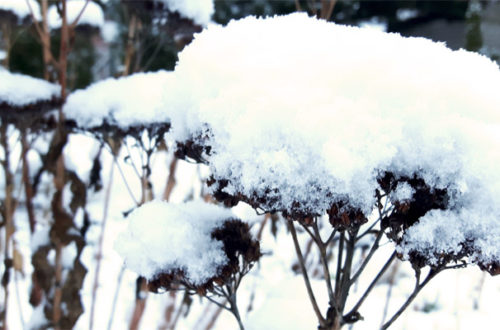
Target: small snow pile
column 163, row 237
column 127, row 101
column 20, row 8
column 17, row 90
column 92, row 14
column 200, row 11
column 403, row 192
column 296, row 113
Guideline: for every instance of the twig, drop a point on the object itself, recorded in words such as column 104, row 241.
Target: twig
column 100, row 245
column 8, row 213
column 213, row 319
column 220, row 305
column 418, row 287
column 392, row 278
column 171, row 179
column 115, row 297
column 324, row 263
column 300, row 258
column 18, row 298
column 125, row 181
column 75, row 22
column 354, row 310
column 368, row 257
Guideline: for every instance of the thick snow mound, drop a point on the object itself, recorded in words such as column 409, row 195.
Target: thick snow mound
column 163, row 237
column 19, row 90
column 92, row 14
column 20, row 8
column 200, row 11
column 127, row 101
column 301, row 113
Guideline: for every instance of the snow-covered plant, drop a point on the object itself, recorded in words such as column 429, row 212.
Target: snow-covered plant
column 197, row 247
column 314, row 120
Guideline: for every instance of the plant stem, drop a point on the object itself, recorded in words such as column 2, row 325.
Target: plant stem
column 101, row 242
column 384, row 268
column 300, row 258
column 418, row 287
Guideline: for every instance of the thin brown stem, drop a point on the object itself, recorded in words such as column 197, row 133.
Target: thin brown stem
column 300, row 258
column 368, row 257
column 107, row 199
column 28, row 188
column 115, row 297
column 75, row 22
column 384, row 268
column 171, row 179
column 324, row 263
column 8, row 213
column 418, row 287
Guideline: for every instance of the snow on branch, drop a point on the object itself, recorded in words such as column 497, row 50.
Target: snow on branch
column 199, row 11
column 20, row 9
column 21, row 94
column 92, row 14
column 298, row 115
column 194, row 244
column 133, row 101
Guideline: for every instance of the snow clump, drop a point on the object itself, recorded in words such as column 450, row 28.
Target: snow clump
column 163, row 237
column 20, row 8
column 126, row 101
column 19, row 90
column 92, row 14
column 200, row 11
column 299, row 113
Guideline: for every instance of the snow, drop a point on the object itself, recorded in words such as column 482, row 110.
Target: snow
column 20, row 90
column 110, row 31
column 200, row 11
column 404, row 14
column 304, row 113
column 92, row 15
column 127, row 101
column 20, row 8
column 403, row 192
column 163, row 237
column 375, row 23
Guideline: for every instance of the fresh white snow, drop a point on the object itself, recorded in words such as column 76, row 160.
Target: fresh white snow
column 20, row 90
column 127, row 101
column 20, row 8
column 164, row 237
column 200, row 11
column 305, row 113
column 92, row 14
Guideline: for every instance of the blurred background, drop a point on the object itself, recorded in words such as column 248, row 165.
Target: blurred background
column 99, row 51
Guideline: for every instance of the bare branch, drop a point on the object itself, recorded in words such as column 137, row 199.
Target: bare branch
column 304, row 273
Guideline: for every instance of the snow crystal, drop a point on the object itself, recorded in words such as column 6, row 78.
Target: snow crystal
column 403, row 192
column 137, row 99
column 305, row 113
column 21, row 90
column 200, row 11
column 163, row 237
column 92, row 15
column 20, row 8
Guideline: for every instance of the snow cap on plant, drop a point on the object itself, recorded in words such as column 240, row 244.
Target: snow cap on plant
column 307, row 117
column 195, row 244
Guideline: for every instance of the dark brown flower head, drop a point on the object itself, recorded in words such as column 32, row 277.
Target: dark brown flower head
column 343, row 217
column 241, row 250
